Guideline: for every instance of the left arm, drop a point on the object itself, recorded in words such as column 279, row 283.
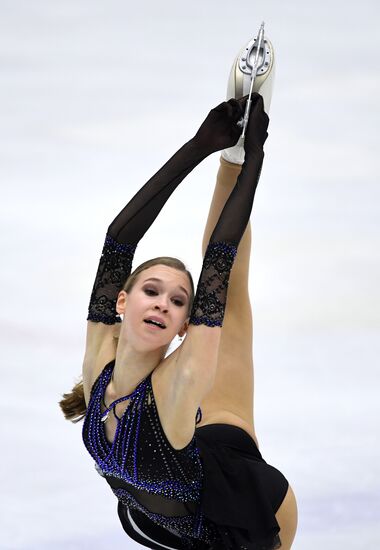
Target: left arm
column 198, row 355
column 122, row 238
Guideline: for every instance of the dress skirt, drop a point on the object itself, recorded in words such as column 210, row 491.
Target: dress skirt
column 240, row 497
column 241, row 491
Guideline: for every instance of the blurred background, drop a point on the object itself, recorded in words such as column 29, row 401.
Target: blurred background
column 94, row 98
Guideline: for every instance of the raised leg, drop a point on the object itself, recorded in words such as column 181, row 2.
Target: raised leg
column 233, row 387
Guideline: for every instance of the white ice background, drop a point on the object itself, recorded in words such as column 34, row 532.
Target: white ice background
column 94, row 98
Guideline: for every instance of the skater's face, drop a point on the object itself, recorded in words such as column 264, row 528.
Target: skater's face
column 160, row 291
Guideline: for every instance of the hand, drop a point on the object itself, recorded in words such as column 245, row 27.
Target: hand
column 220, row 130
column 256, row 131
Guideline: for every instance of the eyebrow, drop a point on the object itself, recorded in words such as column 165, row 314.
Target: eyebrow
column 160, row 281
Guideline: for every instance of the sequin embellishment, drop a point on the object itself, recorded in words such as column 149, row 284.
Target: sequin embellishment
column 144, row 471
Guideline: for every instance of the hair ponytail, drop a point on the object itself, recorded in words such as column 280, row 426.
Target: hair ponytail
column 73, row 404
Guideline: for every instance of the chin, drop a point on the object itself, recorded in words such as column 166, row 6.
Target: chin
column 153, row 346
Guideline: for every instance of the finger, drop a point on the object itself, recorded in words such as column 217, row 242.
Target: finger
column 238, row 110
column 243, row 99
column 230, row 108
column 255, row 98
column 234, row 102
column 220, row 107
column 258, row 117
column 257, row 101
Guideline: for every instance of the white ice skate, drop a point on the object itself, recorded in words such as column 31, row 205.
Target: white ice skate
column 252, row 71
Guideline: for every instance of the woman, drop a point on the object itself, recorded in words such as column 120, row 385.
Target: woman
column 185, row 476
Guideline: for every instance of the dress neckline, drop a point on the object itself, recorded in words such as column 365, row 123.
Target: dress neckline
column 141, row 386
column 107, row 376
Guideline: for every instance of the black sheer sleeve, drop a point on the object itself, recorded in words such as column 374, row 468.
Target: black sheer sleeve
column 211, row 296
column 219, row 130
column 131, row 224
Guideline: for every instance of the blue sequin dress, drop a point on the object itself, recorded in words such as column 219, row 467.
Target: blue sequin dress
column 216, row 493
column 144, row 471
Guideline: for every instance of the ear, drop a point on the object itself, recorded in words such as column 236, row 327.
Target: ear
column 121, row 302
column 184, row 328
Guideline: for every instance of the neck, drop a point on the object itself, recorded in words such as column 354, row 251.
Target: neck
column 132, row 366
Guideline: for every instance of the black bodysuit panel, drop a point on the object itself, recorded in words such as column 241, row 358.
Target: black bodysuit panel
column 240, row 490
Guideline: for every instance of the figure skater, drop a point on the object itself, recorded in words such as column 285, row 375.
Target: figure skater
column 173, row 435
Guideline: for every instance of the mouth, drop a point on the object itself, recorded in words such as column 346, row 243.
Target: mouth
column 156, row 325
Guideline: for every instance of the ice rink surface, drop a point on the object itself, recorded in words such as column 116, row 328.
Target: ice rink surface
column 94, row 98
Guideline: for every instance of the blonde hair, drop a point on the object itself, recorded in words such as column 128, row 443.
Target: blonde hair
column 73, row 404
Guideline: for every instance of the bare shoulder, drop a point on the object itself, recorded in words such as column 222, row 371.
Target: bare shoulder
column 198, row 354
column 176, row 411
column 178, row 393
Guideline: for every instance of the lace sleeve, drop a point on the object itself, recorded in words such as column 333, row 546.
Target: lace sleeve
column 115, row 265
column 130, row 225
column 211, row 296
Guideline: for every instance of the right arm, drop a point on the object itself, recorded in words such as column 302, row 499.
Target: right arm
column 115, row 265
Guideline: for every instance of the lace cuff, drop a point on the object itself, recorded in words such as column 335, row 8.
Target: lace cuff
column 210, row 299
column 115, row 265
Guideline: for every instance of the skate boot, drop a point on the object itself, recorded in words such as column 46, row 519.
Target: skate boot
column 249, row 64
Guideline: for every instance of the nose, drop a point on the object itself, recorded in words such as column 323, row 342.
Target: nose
column 162, row 303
